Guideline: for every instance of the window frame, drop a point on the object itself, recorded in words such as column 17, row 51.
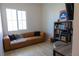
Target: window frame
column 17, row 20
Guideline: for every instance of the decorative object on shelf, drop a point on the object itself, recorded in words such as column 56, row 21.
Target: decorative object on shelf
column 63, row 15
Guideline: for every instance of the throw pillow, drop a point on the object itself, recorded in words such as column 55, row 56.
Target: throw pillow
column 37, row 33
column 12, row 37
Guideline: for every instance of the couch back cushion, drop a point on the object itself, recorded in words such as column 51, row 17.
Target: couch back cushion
column 28, row 34
column 17, row 36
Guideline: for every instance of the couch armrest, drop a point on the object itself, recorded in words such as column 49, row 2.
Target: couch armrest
column 6, row 43
column 42, row 34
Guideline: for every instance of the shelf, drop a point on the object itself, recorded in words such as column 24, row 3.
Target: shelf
column 63, row 22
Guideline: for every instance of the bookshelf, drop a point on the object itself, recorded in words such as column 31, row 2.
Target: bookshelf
column 63, row 31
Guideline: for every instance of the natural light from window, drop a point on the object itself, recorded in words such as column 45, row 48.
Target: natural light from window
column 16, row 20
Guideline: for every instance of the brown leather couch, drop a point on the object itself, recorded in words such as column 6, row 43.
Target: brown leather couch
column 28, row 39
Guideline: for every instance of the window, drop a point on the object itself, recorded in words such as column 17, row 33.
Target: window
column 16, row 19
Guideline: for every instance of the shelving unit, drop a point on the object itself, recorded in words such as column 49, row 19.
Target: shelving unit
column 63, row 31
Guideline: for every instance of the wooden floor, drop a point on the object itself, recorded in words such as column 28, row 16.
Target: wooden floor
column 41, row 49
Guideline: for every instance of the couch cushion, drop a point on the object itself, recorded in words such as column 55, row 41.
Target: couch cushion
column 25, row 39
column 18, row 36
column 31, row 38
column 29, row 34
column 18, row 40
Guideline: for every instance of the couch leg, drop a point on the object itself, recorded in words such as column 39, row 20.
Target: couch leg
column 54, row 54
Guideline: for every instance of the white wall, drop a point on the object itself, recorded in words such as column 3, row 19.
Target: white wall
column 1, row 36
column 75, row 45
column 33, row 16
column 51, row 14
